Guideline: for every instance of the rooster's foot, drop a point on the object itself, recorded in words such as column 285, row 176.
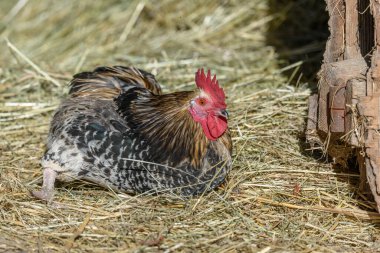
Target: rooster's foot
column 47, row 191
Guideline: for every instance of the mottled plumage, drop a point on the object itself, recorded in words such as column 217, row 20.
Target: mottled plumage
column 118, row 130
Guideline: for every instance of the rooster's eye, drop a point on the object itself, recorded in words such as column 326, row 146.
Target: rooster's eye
column 201, row 101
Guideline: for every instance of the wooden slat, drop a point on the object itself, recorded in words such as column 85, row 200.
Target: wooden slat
column 352, row 49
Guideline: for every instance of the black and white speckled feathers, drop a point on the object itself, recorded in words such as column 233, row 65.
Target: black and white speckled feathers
column 116, row 129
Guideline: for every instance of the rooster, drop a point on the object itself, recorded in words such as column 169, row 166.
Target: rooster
column 118, row 130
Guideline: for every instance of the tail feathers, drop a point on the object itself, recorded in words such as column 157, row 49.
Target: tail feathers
column 108, row 82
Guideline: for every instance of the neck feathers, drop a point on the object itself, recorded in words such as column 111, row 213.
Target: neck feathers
column 164, row 122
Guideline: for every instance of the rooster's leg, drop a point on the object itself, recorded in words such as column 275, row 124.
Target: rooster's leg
column 47, row 191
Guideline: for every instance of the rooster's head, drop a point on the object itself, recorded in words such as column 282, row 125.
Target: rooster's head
column 208, row 107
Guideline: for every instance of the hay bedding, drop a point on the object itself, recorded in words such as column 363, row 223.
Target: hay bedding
column 278, row 198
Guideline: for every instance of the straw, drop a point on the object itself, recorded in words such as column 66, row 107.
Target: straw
column 279, row 197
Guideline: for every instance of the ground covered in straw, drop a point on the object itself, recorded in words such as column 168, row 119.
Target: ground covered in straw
column 279, row 196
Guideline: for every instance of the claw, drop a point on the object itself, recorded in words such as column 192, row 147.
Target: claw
column 43, row 195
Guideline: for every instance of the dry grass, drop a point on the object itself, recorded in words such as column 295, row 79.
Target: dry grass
column 278, row 198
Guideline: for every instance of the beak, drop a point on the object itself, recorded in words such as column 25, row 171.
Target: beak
column 223, row 113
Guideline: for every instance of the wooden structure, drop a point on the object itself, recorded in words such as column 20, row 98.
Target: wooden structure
column 344, row 117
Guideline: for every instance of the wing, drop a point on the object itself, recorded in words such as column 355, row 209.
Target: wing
column 107, row 83
column 110, row 154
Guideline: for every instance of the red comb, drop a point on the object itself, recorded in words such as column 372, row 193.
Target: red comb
column 211, row 87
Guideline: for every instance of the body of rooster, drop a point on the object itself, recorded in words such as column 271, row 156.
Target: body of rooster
column 118, row 130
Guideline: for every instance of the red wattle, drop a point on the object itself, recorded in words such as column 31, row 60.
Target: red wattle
column 214, row 127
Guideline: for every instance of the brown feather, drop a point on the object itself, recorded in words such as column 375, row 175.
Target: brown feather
column 106, row 83
column 167, row 124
